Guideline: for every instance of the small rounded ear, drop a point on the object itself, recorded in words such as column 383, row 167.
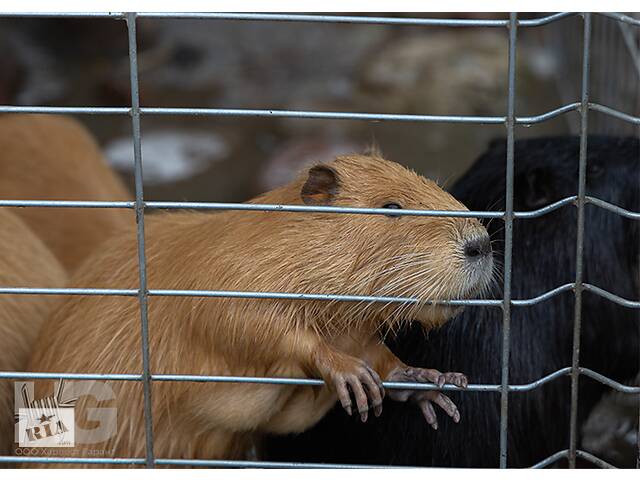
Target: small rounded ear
column 539, row 188
column 321, row 186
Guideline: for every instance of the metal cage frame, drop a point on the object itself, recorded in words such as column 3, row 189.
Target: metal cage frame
column 510, row 120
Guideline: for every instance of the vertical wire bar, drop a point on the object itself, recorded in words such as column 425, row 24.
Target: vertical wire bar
column 508, row 241
column 580, row 203
column 637, row 132
column 142, row 261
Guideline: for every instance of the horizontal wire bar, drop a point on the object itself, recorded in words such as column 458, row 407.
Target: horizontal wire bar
column 593, row 459
column 351, row 19
column 254, row 464
column 185, row 462
column 610, row 296
column 614, row 113
column 546, row 209
column 620, row 17
column 536, row 22
column 283, row 17
column 548, row 115
column 543, row 296
column 107, row 292
column 163, row 205
column 240, row 294
column 579, row 453
column 313, row 114
column 120, row 377
column 72, row 460
column 319, row 209
column 551, row 459
column 315, row 296
column 309, row 114
column 66, row 204
column 263, row 464
column 124, row 377
column 609, row 382
column 112, row 15
column 613, row 208
column 65, row 110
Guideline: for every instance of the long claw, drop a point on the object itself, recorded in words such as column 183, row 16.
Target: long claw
column 376, row 391
column 429, row 414
column 425, row 398
column 448, row 406
column 360, row 396
column 343, row 396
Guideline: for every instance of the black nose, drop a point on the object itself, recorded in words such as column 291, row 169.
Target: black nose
column 477, row 248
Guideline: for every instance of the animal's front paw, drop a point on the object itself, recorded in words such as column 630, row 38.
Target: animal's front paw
column 364, row 383
column 426, row 398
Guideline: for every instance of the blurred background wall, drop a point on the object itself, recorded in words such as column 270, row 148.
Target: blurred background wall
column 280, row 65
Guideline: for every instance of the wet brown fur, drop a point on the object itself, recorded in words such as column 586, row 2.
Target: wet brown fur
column 24, row 262
column 264, row 252
column 50, row 157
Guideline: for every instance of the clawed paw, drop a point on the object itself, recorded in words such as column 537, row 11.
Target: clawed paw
column 425, row 399
column 366, row 386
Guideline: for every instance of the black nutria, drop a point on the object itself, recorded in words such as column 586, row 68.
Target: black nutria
column 544, row 255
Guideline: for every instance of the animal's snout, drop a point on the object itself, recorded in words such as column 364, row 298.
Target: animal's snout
column 477, row 248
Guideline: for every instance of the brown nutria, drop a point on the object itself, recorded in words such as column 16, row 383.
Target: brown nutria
column 425, row 257
column 51, row 157
column 25, row 261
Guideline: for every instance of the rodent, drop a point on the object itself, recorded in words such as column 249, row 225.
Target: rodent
column 425, row 257
column 25, row 261
column 544, row 255
column 53, row 157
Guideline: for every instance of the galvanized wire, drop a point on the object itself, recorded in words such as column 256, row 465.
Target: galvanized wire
column 615, row 71
column 314, row 114
column 142, row 262
column 525, row 302
column 484, row 388
column 317, row 209
column 284, row 17
column 578, row 287
column 508, row 240
column 139, row 205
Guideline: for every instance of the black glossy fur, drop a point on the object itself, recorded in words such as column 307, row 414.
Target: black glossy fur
column 541, row 336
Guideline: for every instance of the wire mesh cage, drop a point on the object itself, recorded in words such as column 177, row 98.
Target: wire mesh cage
column 615, row 69
column 601, row 37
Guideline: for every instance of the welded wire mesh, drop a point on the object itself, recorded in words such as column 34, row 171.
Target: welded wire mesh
column 615, row 69
column 581, row 102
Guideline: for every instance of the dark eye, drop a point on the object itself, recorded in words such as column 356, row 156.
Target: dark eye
column 392, row 206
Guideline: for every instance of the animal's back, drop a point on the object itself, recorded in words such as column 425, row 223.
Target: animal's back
column 181, row 255
column 49, row 157
column 24, row 262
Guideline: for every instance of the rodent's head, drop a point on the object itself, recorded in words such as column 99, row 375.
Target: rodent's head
column 424, row 257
